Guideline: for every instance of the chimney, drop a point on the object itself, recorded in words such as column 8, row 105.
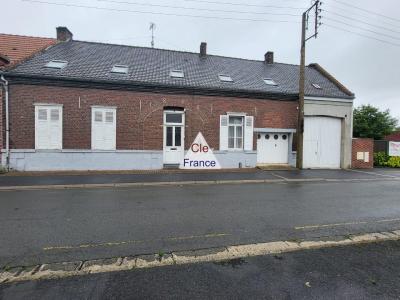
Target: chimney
column 203, row 49
column 269, row 57
column 63, row 34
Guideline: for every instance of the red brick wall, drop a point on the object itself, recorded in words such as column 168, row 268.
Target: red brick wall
column 363, row 145
column 139, row 115
column 1, row 119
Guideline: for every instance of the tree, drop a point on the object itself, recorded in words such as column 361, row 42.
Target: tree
column 370, row 122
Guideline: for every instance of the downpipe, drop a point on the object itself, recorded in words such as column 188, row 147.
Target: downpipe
column 4, row 83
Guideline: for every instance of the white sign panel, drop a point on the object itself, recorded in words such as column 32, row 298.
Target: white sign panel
column 200, row 156
column 394, row 148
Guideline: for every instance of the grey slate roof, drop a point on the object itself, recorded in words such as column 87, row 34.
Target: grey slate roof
column 93, row 61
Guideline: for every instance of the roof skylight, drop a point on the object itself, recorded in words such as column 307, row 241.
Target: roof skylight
column 225, row 78
column 269, row 81
column 317, row 86
column 177, row 74
column 56, row 64
column 120, row 69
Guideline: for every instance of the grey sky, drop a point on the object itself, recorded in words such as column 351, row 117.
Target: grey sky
column 369, row 68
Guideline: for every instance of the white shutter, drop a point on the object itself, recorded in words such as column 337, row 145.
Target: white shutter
column 248, row 133
column 48, row 127
column 103, row 128
column 223, row 132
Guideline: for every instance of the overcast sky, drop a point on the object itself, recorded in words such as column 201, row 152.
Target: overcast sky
column 369, row 68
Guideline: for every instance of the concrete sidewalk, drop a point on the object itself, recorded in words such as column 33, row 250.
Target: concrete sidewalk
column 189, row 177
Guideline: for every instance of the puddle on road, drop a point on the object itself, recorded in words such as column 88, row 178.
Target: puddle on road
column 234, row 263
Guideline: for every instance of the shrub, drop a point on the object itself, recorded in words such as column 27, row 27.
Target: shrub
column 381, row 159
column 394, row 162
column 3, row 170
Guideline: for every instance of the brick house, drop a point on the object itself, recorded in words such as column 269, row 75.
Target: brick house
column 13, row 50
column 93, row 106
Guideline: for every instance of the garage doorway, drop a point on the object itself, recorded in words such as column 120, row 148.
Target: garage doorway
column 322, row 142
column 272, row 148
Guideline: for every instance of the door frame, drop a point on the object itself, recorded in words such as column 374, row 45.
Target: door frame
column 182, row 126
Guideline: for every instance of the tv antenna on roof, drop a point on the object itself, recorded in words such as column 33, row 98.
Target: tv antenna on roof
column 152, row 27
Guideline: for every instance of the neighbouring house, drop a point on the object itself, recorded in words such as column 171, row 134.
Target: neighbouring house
column 13, row 50
column 394, row 137
column 93, row 106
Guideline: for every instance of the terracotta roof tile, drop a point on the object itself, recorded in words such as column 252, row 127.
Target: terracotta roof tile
column 18, row 48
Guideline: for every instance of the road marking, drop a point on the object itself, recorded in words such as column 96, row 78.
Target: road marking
column 109, row 244
column 371, row 173
column 345, row 224
column 279, row 176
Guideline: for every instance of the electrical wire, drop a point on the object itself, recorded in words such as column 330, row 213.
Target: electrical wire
column 159, row 13
column 244, row 4
column 360, row 21
column 362, row 28
column 366, row 10
column 360, row 34
column 199, row 9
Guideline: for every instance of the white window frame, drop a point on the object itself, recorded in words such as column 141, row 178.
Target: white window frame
column 48, row 107
column 56, row 64
column 120, row 69
column 176, row 73
column 225, row 78
column 103, row 110
column 270, row 81
column 235, row 148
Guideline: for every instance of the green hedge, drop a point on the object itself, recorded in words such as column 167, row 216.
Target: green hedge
column 381, row 159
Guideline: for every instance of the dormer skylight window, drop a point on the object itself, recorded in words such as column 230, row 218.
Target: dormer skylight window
column 317, row 86
column 56, row 64
column 269, row 81
column 120, row 69
column 177, row 74
column 225, row 78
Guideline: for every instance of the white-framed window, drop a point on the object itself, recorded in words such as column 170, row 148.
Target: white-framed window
column 104, row 121
column 236, row 132
column 48, row 126
column 177, row 73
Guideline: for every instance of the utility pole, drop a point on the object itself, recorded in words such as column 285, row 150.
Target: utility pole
column 152, row 27
column 304, row 39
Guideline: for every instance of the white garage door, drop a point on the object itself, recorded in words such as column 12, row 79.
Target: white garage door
column 322, row 142
column 272, row 148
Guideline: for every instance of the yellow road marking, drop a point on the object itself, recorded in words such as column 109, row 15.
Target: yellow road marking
column 107, row 244
column 344, row 224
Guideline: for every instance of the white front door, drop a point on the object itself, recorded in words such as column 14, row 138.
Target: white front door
column 322, row 142
column 272, row 148
column 174, row 137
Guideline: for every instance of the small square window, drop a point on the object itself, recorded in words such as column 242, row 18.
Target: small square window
column 109, row 116
column 225, row 78
column 120, row 69
column 56, row 64
column 177, row 74
column 269, row 81
column 42, row 114
column 98, row 116
column 317, row 86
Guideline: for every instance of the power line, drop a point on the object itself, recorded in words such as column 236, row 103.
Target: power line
column 366, row 10
column 361, row 28
column 199, row 9
column 360, row 14
column 363, row 35
column 160, row 13
column 244, row 4
column 360, row 21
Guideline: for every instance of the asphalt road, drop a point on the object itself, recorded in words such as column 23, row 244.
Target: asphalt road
column 369, row 271
column 67, row 225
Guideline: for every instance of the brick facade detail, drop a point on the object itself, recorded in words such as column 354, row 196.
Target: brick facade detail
column 362, row 145
column 139, row 115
